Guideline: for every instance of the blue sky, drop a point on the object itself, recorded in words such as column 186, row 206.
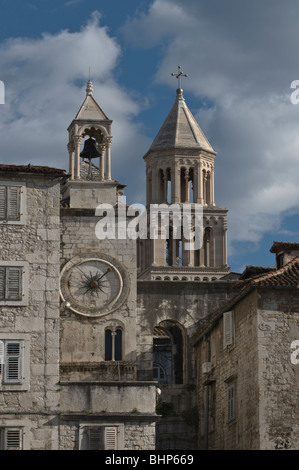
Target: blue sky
column 240, row 58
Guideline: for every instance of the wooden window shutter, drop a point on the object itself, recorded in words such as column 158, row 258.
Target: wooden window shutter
column 110, row 438
column 2, row 202
column 228, row 330
column 13, row 439
column 14, row 283
column 13, row 356
column 2, row 282
column 13, row 203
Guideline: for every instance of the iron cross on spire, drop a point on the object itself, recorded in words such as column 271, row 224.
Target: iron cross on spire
column 179, row 75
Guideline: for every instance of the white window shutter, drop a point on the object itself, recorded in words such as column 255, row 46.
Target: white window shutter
column 13, row 357
column 228, row 329
column 13, row 203
column 2, row 202
column 110, row 438
column 13, row 439
column 14, row 283
column 2, row 283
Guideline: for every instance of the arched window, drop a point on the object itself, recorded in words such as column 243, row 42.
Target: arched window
column 159, row 373
column 168, row 349
column 113, row 344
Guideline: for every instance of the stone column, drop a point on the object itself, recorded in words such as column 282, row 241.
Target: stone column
column 78, row 139
column 165, row 181
column 204, row 186
column 199, row 183
column 101, row 148
column 71, row 150
column 108, row 142
column 212, row 195
column 195, row 184
column 186, row 185
column 224, row 247
column 175, row 186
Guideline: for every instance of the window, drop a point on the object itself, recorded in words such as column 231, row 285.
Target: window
column 13, row 283
column 231, row 402
column 100, row 438
column 228, row 329
column 10, row 283
column 11, row 353
column 113, row 344
column 159, row 373
column 12, row 201
column 11, row 438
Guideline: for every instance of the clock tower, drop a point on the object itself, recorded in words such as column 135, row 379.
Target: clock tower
column 100, row 393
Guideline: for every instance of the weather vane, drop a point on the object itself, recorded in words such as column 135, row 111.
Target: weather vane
column 179, row 75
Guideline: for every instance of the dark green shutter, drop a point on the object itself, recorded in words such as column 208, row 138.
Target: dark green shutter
column 2, row 202
column 2, row 282
column 13, row 283
column 13, row 354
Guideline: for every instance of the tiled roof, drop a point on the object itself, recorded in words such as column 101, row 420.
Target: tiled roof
column 282, row 246
column 251, row 271
column 287, row 276
column 45, row 170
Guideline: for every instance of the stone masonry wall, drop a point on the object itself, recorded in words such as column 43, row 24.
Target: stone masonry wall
column 236, row 364
column 34, row 404
column 278, row 327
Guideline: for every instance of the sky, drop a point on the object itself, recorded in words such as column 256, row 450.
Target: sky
column 241, row 60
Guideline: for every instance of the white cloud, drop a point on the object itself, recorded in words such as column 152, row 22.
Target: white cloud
column 240, row 61
column 45, row 80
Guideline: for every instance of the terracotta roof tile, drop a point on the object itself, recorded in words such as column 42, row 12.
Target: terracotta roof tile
column 45, row 170
column 281, row 246
column 287, row 276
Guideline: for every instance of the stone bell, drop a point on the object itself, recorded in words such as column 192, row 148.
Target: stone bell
column 90, row 149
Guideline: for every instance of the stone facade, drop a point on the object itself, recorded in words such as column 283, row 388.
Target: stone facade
column 30, row 400
column 106, row 343
column 247, row 386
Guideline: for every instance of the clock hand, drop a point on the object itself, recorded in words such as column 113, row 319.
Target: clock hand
column 108, row 271
column 77, row 267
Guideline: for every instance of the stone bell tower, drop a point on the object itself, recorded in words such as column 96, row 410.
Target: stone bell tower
column 180, row 170
column 90, row 181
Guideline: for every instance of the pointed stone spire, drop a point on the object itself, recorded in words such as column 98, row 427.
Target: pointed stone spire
column 180, row 129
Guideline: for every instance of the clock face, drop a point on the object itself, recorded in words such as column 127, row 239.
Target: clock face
column 93, row 286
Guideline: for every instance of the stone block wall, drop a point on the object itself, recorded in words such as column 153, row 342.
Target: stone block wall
column 33, row 404
column 235, row 364
column 278, row 328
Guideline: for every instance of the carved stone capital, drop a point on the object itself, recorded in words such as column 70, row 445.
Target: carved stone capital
column 108, row 141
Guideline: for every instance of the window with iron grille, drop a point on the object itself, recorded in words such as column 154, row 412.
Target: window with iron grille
column 11, row 357
column 11, row 438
